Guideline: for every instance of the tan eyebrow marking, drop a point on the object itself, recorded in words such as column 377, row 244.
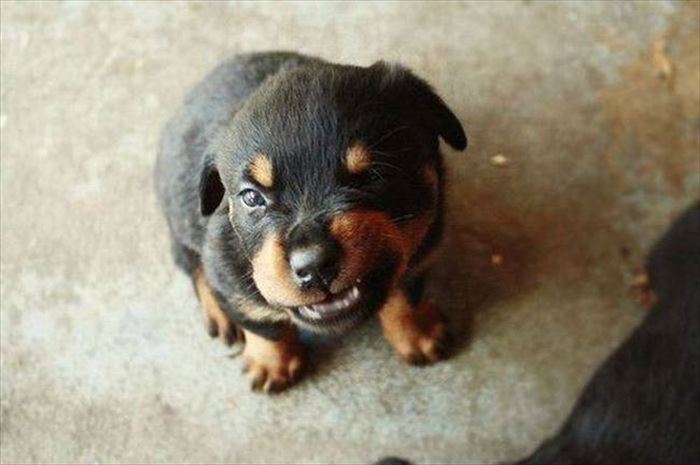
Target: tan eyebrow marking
column 261, row 171
column 357, row 159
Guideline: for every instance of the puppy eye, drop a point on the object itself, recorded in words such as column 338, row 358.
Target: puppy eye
column 252, row 198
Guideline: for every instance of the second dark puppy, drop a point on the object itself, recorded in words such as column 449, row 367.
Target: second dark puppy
column 642, row 405
column 304, row 193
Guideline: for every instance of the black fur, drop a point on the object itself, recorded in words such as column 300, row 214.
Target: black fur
column 392, row 461
column 303, row 113
column 211, row 189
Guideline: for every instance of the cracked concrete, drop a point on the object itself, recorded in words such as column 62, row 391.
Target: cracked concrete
column 594, row 106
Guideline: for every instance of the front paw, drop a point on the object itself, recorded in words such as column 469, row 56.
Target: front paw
column 218, row 324
column 272, row 366
column 418, row 335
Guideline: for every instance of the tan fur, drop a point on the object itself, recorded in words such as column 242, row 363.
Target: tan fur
column 272, row 365
column 261, row 170
column 357, row 159
column 215, row 318
column 366, row 238
column 415, row 333
column 260, row 312
column 273, row 276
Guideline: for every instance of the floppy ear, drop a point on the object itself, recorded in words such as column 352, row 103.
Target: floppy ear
column 211, row 189
column 416, row 95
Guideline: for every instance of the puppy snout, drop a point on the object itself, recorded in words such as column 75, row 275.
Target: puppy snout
column 315, row 266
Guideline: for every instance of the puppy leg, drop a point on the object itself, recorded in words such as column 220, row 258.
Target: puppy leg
column 417, row 334
column 218, row 323
column 272, row 365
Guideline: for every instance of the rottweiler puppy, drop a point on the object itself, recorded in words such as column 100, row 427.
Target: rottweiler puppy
column 302, row 193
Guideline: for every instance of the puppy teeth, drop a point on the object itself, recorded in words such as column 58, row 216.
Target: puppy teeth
column 309, row 313
column 343, row 301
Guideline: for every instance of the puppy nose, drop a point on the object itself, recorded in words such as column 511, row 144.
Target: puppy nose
column 314, row 266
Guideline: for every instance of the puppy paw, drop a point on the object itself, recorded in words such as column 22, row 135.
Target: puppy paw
column 272, row 366
column 222, row 326
column 418, row 335
column 217, row 323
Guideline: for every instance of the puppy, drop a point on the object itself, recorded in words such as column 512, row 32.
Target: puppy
column 301, row 193
column 642, row 406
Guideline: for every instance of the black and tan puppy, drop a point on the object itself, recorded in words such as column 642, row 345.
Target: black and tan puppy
column 301, row 193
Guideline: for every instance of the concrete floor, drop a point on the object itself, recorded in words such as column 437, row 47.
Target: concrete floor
column 104, row 359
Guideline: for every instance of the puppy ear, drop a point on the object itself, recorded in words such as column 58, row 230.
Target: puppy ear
column 211, row 189
column 415, row 95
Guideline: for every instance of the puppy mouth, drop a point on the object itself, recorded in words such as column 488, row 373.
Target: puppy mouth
column 337, row 312
column 333, row 306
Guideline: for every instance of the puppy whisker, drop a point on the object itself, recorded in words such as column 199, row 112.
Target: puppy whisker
column 403, row 218
column 386, row 136
column 246, row 253
column 392, row 152
column 389, row 165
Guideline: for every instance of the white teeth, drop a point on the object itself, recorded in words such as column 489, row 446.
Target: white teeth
column 341, row 302
column 309, row 313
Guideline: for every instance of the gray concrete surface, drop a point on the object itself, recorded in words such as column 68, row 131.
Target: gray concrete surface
column 104, row 359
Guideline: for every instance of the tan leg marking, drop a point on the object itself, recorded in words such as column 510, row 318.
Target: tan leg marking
column 272, row 365
column 418, row 335
column 218, row 323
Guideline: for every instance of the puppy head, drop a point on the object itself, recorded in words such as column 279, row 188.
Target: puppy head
column 331, row 178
